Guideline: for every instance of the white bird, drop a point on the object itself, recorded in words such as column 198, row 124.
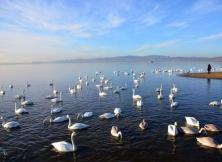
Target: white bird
column 143, row 125
column 2, row 92
column 27, row 103
column 9, row 125
column 102, row 94
column 10, row 86
column 136, row 97
column 56, row 110
column 160, row 95
column 116, row 132
column 173, row 103
column 57, row 100
column 107, row 116
column 85, row 115
column 210, row 128
column 72, row 90
column 215, row 103
column 174, row 89
column 117, row 111
column 20, row 110
column 139, row 103
column 159, row 89
column 171, row 95
column 209, row 142
column 58, row 119
column 190, row 130
column 172, row 129
column 64, row 146
column 76, row 126
column 78, row 86
column 192, row 121
column 55, row 92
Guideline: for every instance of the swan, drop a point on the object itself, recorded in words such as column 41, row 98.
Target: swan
column 143, row 125
column 58, row 119
column 64, row 146
column 102, row 94
column 117, row 111
column 173, row 103
column 174, row 89
column 55, row 92
column 215, row 103
column 56, row 110
column 2, row 92
column 10, row 86
column 20, row 96
column 51, row 84
column 117, row 90
column 190, row 130
column 20, row 110
column 78, row 86
column 85, row 115
column 210, row 128
column 209, row 142
column 160, row 95
column 72, row 90
column 139, row 103
column 116, row 132
column 27, row 103
column 50, row 97
column 9, row 125
column 159, row 89
column 172, row 129
column 57, row 100
column 192, row 121
column 136, row 97
column 107, row 116
column 171, row 95
column 76, row 125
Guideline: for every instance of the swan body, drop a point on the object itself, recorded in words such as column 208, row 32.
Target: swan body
column 160, row 95
column 209, row 142
column 50, row 97
column 214, row 103
column 72, row 90
column 136, row 97
column 173, row 103
column 76, row 126
column 211, row 128
column 190, row 130
column 116, row 91
column 172, row 129
column 58, row 119
column 56, row 110
column 27, row 103
column 102, row 94
column 9, row 125
column 139, row 103
column 171, row 95
column 143, row 125
column 192, row 121
column 117, row 111
column 20, row 110
column 64, row 146
column 107, row 116
column 2, row 92
column 85, row 115
column 57, row 100
column 116, row 132
column 174, row 89
column 10, row 86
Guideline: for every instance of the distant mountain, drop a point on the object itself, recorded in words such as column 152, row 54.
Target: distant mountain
column 150, row 58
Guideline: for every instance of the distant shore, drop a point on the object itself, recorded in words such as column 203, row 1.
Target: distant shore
column 212, row 75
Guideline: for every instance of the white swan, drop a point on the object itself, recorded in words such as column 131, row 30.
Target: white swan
column 159, row 89
column 139, row 103
column 72, row 90
column 76, row 126
column 85, row 115
column 172, row 129
column 173, row 103
column 27, row 103
column 10, row 86
column 58, row 119
column 136, row 97
column 117, row 90
column 209, row 142
column 143, row 125
column 56, row 110
column 190, row 130
column 2, row 92
column 215, row 103
column 192, row 121
column 160, row 95
column 9, row 125
column 116, row 132
column 107, row 116
column 20, row 110
column 64, row 146
column 117, row 111
column 210, row 128
column 102, row 94
column 57, row 100
column 171, row 95
column 174, row 89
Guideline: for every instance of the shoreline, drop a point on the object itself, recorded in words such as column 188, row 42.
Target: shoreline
column 205, row 75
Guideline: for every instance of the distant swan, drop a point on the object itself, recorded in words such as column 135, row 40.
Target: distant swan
column 9, row 125
column 20, row 110
column 57, row 100
column 58, row 119
column 117, row 111
column 85, row 115
column 192, row 121
column 64, row 146
column 136, row 97
column 173, row 103
column 215, row 103
column 172, row 129
column 116, row 132
column 139, row 103
column 107, row 116
column 209, row 142
column 76, row 126
column 210, row 128
column 56, row 110
column 143, row 125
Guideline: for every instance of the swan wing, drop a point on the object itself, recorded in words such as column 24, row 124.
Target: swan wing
column 62, row 146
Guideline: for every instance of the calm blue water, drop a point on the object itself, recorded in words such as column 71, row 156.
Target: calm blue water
column 31, row 142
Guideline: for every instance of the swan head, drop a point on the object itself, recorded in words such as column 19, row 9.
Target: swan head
column 175, row 123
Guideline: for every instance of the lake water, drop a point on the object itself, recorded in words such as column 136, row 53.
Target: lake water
column 32, row 141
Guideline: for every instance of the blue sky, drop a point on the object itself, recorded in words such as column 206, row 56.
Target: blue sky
column 41, row 30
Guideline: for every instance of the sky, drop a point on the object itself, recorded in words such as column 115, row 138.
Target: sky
column 47, row 30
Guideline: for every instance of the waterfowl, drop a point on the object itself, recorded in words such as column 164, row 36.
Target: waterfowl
column 143, row 125
column 136, row 97
column 117, row 111
column 209, row 142
column 76, row 126
column 9, row 125
column 116, row 132
column 190, row 130
column 27, row 103
column 171, row 95
column 160, row 95
column 85, row 115
column 174, row 89
column 173, row 103
column 57, row 100
column 20, row 110
column 215, row 103
column 107, row 116
column 172, row 129
column 58, row 119
column 210, row 128
column 123, row 87
column 55, row 110
column 102, row 94
column 64, row 146
column 192, row 121
column 139, row 103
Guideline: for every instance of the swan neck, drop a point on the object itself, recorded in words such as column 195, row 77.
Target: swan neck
column 70, row 122
column 74, row 147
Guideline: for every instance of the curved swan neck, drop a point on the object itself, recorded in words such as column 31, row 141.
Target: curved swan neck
column 70, row 122
column 15, row 106
column 74, row 147
column 120, row 135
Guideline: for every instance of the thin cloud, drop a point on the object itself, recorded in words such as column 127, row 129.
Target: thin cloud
column 178, row 24
column 211, row 37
